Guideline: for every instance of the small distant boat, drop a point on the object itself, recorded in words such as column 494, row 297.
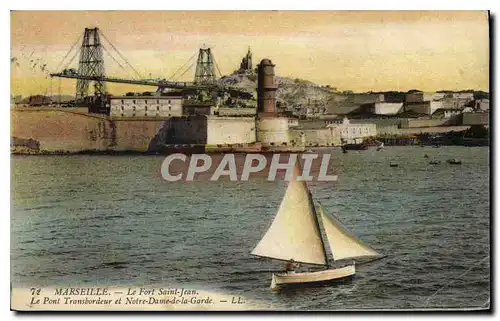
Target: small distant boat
column 294, row 236
column 359, row 144
column 393, row 164
column 380, row 146
column 454, row 161
column 426, row 156
column 435, row 162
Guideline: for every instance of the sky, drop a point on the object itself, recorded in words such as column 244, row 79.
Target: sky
column 350, row 50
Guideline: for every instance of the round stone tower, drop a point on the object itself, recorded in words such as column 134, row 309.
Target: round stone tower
column 266, row 87
column 271, row 129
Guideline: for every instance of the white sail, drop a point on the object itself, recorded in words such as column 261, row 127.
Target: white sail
column 294, row 233
column 344, row 245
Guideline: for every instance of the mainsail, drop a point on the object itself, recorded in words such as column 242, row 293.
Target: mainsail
column 343, row 244
column 294, row 233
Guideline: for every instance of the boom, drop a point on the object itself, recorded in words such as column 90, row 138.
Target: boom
column 160, row 83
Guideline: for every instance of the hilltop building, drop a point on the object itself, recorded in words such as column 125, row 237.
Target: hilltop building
column 246, row 62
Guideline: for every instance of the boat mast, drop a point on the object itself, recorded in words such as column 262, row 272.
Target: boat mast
column 319, row 230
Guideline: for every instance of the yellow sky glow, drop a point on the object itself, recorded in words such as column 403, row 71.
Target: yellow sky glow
column 350, row 50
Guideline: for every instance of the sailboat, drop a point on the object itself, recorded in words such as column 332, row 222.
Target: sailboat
column 295, row 235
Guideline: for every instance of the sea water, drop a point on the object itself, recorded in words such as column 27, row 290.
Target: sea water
column 112, row 220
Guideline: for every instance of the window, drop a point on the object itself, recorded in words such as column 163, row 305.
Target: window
column 145, row 101
column 169, row 101
column 133, row 101
column 169, row 114
column 122, row 101
column 157, row 107
column 169, row 107
column 157, row 101
column 134, row 108
column 122, row 107
column 146, row 108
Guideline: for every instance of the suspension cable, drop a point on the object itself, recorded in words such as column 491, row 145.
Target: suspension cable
column 70, row 49
column 182, row 67
column 118, row 52
column 71, row 60
column 119, row 64
column 217, row 66
column 185, row 71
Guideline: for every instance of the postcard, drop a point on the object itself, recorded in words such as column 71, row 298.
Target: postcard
column 250, row 161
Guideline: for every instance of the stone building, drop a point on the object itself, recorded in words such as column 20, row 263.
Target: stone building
column 349, row 132
column 246, row 62
column 145, row 106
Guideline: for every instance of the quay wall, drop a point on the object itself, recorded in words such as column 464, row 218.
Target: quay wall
column 56, row 130
column 73, row 130
column 476, row 119
column 231, row 130
column 316, row 137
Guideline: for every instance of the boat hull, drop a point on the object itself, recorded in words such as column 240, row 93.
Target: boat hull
column 280, row 280
column 362, row 146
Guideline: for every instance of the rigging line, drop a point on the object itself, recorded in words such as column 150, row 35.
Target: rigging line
column 183, row 66
column 186, row 67
column 449, row 283
column 185, row 71
column 71, row 60
column 77, row 41
column 118, row 52
column 217, row 67
column 119, row 64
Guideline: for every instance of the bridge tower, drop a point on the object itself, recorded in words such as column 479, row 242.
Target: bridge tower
column 205, row 70
column 91, row 64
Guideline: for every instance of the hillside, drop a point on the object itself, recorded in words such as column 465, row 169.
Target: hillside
column 291, row 91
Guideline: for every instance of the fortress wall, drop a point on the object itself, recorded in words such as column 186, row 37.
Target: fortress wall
column 135, row 135
column 413, row 123
column 322, row 137
column 316, row 137
column 296, row 136
column 390, row 129
column 432, row 130
column 231, row 130
column 57, row 130
column 475, row 119
column 186, row 130
column 380, row 122
column 273, row 130
column 70, row 130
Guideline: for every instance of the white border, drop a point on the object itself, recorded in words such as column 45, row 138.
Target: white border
column 194, row 5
